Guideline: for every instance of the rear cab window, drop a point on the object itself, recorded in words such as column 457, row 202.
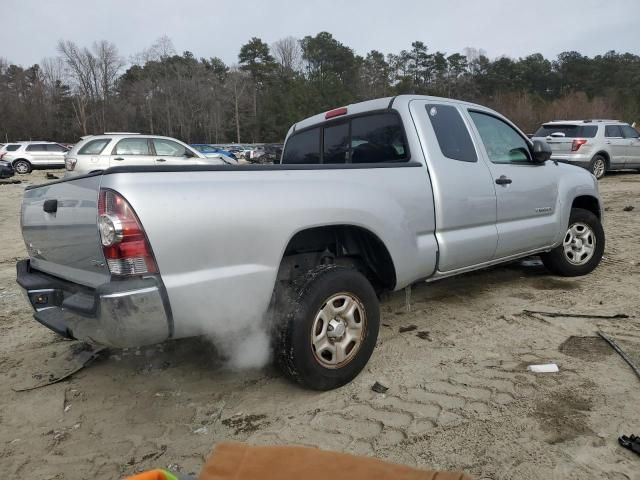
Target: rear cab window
column 569, row 131
column 452, row 133
column 376, row 137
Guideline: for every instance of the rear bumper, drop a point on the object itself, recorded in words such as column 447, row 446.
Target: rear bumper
column 580, row 160
column 127, row 313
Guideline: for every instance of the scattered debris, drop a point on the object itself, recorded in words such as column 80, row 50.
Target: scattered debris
column 245, row 423
column 632, row 443
column 379, row 388
column 628, row 208
column 407, row 328
column 576, row 315
column 201, row 431
column 424, row 335
column 67, row 408
column 51, row 176
column 546, row 368
column 624, row 356
column 62, row 367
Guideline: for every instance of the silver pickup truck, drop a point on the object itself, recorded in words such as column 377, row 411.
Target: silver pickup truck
column 367, row 198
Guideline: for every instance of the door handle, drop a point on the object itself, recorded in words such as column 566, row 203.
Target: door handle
column 608, row 142
column 503, row 180
column 160, row 160
column 119, row 159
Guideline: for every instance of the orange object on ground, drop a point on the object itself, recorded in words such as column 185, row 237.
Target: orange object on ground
column 239, row 461
column 154, row 475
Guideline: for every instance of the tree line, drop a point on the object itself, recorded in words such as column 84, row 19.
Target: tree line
column 87, row 90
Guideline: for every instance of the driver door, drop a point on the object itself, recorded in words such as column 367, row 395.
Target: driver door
column 527, row 192
column 170, row 152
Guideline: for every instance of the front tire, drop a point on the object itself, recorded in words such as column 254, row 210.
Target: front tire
column 598, row 166
column 331, row 324
column 582, row 246
column 22, row 167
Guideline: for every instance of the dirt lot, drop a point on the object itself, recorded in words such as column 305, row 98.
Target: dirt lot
column 459, row 397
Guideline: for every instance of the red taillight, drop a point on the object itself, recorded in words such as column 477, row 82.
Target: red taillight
column 2, row 155
column 577, row 143
column 335, row 113
column 124, row 242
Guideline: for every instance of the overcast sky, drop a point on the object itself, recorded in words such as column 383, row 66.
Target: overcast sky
column 31, row 28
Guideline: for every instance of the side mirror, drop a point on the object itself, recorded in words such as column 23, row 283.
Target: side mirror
column 541, row 151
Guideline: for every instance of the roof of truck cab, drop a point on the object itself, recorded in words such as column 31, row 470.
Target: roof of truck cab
column 377, row 104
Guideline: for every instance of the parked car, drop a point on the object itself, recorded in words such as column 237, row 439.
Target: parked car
column 25, row 156
column 99, row 152
column 597, row 145
column 210, row 151
column 6, row 170
column 235, row 149
column 368, row 198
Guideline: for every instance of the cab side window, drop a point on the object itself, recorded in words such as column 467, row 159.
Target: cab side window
column 132, row 146
column 38, row 147
column 629, row 132
column 612, row 131
column 169, row 148
column 502, row 143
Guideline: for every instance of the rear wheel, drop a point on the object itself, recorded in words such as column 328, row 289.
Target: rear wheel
column 582, row 246
column 22, row 167
column 330, row 327
column 598, row 166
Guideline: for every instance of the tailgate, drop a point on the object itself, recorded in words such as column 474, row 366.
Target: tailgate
column 64, row 240
column 559, row 145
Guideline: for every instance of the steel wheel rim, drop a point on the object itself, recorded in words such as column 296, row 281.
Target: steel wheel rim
column 21, row 167
column 338, row 330
column 579, row 243
column 598, row 168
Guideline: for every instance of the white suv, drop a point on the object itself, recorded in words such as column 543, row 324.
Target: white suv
column 24, row 156
column 597, row 145
column 99, row 152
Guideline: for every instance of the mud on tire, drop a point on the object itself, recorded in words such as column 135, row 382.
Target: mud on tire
column 338, row 303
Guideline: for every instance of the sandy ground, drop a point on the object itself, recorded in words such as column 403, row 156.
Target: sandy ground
column 459, row 397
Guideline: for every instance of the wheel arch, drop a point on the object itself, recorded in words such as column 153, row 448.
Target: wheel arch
column 588, row 202
column 343, row 244
column 605, row 154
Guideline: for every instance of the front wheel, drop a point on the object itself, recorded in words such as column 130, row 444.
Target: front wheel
column 330, row 328
column 582, row 246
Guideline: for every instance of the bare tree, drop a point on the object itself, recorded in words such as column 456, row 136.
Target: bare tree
column 93, row 74
column 288, row 53
column 161, row 49
column 238, row 81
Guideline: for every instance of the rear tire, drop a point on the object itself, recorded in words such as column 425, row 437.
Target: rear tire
column 598, row 166
column 582, row 246
column 330, row 327
column 22, row 167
